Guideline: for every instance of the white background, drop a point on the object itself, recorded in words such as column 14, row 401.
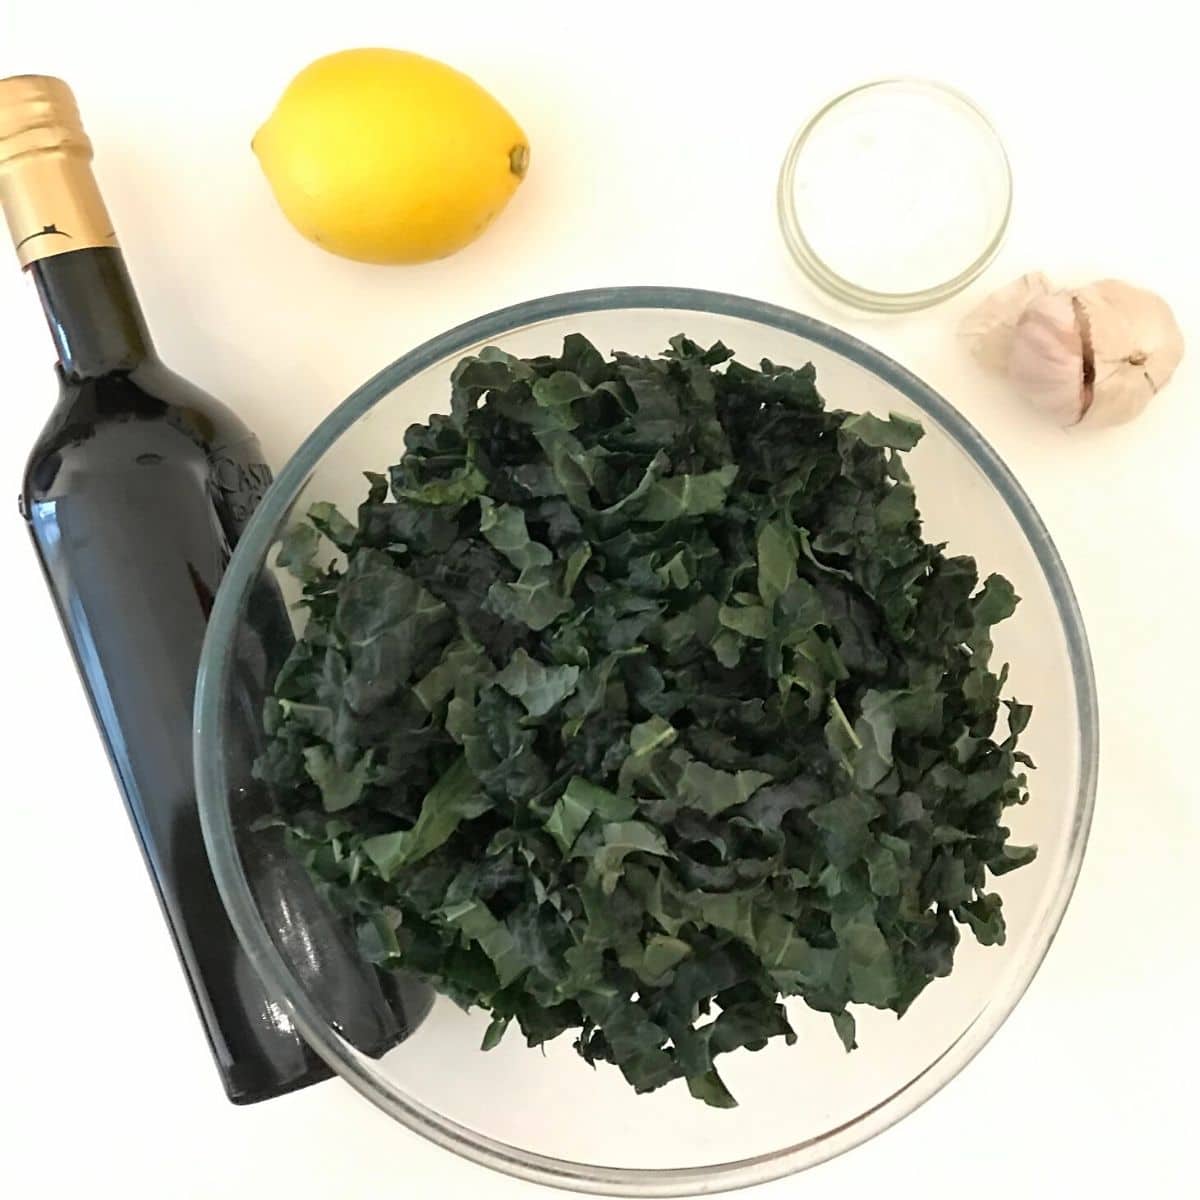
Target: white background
column 657, row 130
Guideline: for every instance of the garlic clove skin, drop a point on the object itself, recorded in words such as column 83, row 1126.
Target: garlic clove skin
column 988, row 329
column 1046, row 358
column 1136, row 344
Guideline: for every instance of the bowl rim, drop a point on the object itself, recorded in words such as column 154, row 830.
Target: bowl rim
column 857, row 295
column 235, row 891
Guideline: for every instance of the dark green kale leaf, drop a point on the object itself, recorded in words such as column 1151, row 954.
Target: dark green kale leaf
column 633, row 702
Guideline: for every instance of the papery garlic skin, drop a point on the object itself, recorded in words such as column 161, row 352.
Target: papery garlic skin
column 1136, row 344
column 989, row 328
column 1046, row 358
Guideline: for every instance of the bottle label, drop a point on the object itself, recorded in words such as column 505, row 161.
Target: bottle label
column 241, row 477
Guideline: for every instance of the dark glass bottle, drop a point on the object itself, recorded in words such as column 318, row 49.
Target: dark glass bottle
column 135, row 493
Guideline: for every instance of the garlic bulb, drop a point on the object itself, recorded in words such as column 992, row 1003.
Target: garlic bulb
column 1097, row 354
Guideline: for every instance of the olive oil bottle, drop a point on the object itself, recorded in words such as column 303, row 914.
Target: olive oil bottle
column 135, row 494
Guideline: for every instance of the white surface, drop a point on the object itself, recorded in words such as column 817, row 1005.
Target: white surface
column 656, row 131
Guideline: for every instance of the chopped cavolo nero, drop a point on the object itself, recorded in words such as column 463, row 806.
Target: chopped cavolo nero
column 632, row 702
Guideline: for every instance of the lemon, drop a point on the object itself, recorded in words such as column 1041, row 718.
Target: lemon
column 388, row 157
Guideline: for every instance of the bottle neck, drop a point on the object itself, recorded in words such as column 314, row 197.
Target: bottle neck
column 93, row 313
column 62, row 231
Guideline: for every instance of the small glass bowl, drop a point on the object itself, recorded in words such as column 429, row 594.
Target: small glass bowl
column 896, row 195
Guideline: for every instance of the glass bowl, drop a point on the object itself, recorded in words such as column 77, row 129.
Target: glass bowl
column 548, row 1117
column 896, row 195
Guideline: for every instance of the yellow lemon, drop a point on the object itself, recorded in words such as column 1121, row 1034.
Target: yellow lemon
column 389, row 157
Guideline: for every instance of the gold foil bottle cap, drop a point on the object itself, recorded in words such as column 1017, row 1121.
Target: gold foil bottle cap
column 49, row 195
column 38, row 112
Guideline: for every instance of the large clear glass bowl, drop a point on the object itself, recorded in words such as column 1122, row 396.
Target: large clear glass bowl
column 548, row 1117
